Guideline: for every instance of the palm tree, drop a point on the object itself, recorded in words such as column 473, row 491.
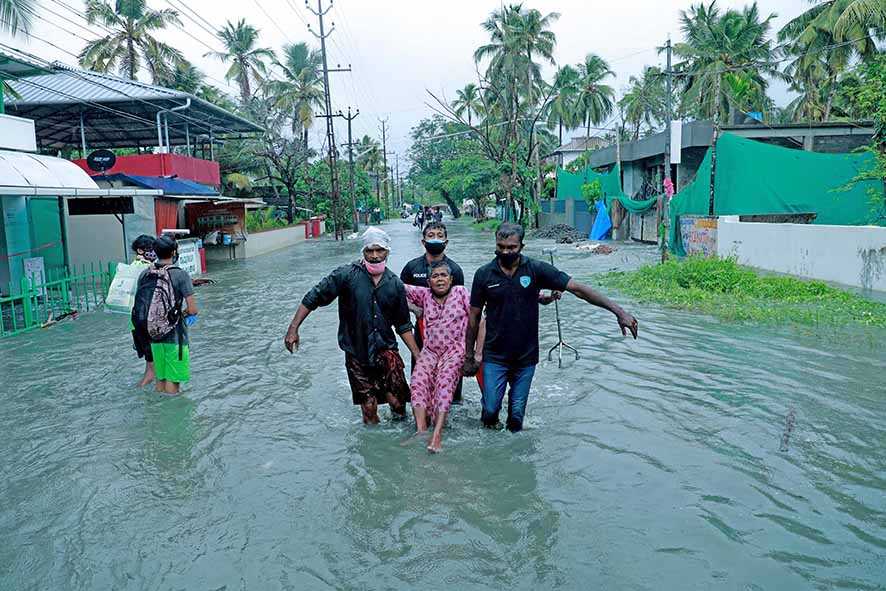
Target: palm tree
column 16, row 15
column 216, row 96
column 644, row 102
column 301, row 91
column 247, row 61
column 823, row 41
column 720, row 43
column 468, row 102
column 858, row 16
column 562, row 110
column 130, row 42
column 187, row 78
column 595, row 99
column 368, row 154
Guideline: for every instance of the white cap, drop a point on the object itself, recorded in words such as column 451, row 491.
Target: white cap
column 374, row 236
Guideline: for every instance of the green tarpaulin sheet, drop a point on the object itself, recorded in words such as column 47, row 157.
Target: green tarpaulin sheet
column 569, row 187
column 754, row 178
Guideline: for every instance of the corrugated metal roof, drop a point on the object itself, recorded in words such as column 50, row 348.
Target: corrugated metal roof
column 55, row 89
column 115, row 112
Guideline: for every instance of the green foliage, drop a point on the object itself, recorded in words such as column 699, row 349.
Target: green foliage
column 264, row 219
column 592, row 192
column 130, row 43
column 870, row 96
column 488, row 225
column 723, row 288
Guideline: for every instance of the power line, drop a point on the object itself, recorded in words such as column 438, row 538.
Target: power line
column 81, row 15
column 272, row 21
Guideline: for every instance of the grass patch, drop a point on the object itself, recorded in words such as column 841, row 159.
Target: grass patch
column 723, row 288
column 490, row 225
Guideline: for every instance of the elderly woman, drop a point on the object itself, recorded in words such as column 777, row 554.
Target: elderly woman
column 372, row 302
column 438, row 370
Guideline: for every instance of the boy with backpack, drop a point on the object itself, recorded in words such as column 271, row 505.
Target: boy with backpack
column 165, row 308
column 143, row 247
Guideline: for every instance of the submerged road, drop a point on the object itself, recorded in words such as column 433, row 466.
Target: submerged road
column 650, row 464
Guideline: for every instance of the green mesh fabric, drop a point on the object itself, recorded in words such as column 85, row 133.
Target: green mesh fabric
column 569, row 187
column 754, row 178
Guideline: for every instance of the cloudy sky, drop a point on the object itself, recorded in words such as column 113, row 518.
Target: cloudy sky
column 400, row 49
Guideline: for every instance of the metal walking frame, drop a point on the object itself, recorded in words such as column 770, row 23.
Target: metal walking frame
column 561, row 344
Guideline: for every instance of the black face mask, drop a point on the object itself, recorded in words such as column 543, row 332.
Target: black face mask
column 435, row 247
column 507, row 259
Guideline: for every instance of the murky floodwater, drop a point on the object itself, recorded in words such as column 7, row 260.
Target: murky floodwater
column 652, row 464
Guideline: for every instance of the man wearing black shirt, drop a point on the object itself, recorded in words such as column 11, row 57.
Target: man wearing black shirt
column 371, row 301
column 508, row 287
column 418, row 271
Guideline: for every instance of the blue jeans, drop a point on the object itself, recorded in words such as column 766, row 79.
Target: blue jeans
column 496, row 377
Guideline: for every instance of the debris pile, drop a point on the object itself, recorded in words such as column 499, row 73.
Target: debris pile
column 595, row 248
column 561, row 233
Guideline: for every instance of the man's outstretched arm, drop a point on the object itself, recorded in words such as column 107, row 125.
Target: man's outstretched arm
column 625, row 321
column 321, row 294
column 291, row 339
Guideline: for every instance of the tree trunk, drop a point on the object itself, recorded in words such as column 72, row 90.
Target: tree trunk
column 130, row 48
column 453, row 207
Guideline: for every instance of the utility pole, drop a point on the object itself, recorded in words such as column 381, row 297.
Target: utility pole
column 714, row 143
column 330, row 127
column 664, row 204
column 398, row 187
column 384, row 155
column 350, row 145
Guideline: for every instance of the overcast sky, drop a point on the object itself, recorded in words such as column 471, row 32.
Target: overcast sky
column 399, row 49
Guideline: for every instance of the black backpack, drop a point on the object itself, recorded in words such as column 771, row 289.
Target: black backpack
column 144, row 295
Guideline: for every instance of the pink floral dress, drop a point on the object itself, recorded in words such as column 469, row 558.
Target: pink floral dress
column 438, row 369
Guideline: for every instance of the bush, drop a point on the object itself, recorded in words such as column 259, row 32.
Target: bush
column 723, row 288
column 488, row 225
column 264, row 219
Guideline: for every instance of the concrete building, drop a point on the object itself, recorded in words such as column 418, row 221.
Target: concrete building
column 642, row 161
column 575, row 148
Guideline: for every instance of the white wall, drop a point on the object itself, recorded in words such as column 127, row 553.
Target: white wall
column 264, row 242
column 851, row 255
column 17, row 134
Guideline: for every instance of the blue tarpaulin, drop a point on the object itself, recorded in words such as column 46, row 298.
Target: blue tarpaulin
column 602, row 223
column 167, row 185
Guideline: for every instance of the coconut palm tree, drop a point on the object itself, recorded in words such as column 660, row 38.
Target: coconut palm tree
column 468, row 102
column 644, row 102
column 301, row 90
column 717, row 43
column 595, row 99
column 16, row 15
column 247, row 61
column 562, row 109
column 368, row 154
column 823, row 41
column 131, row 42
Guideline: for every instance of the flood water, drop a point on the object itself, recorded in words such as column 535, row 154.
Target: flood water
column 650, row 464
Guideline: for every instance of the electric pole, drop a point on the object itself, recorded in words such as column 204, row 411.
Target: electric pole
column 384, row 155
column 399, row 191
column 663, row 208
column 350, row 146
column 330, row 127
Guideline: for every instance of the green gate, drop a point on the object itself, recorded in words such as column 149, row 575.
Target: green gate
column 60, row 292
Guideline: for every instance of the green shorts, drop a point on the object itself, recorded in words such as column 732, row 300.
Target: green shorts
column 168, row 366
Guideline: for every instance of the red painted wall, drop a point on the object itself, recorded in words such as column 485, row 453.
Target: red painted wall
column 185, row 167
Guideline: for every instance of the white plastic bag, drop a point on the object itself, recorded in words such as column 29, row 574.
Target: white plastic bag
column 121, row 293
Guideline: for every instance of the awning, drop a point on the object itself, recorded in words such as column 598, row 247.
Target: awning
column 23, row 174
column 171, row 187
